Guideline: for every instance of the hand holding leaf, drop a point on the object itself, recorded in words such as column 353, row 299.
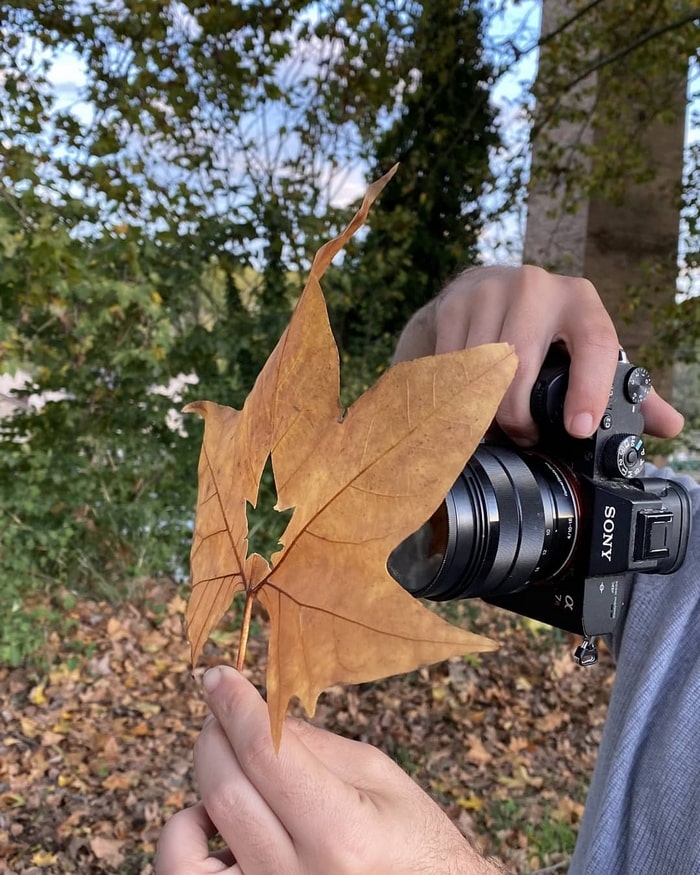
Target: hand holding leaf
column 359, row 482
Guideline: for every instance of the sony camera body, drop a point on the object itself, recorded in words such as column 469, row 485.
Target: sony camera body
column 555, row 533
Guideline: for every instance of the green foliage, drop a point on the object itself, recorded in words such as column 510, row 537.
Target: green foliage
column 157, row 216
column 97, row 488
column 266, row 525
column 634, row 56
column 608, row 123
column 425, row 228
column 28, row 624
column 551, row 834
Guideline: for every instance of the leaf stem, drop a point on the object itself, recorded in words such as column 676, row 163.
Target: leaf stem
column 245, row 629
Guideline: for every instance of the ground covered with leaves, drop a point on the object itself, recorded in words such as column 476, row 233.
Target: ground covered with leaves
column 96, row 745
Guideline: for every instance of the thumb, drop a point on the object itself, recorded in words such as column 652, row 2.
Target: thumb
column 294, row 781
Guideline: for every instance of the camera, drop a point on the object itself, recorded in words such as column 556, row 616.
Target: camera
column 555, row 533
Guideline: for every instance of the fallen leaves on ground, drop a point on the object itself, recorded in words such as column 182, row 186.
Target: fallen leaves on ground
column 96, row 751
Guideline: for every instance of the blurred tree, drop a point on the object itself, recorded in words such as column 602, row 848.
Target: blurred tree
column 606, row 186
column 124, row 225
column 426, row 226
column 168, row 169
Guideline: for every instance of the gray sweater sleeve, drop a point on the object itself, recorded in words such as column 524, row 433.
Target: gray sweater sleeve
column 642, row 816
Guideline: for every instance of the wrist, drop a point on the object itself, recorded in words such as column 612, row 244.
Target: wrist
column 465, row 859
column 497, row 868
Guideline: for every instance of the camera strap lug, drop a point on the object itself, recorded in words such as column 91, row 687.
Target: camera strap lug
column 587, row 652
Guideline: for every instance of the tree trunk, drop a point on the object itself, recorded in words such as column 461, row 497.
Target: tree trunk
column 621, row 233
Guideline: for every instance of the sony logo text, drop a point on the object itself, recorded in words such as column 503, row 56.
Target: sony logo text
column 608, row 532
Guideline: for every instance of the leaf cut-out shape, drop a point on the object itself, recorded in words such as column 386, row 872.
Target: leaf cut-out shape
column 359, row 482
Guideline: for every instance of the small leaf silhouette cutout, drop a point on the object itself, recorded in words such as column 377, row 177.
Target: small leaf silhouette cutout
column 359, row 482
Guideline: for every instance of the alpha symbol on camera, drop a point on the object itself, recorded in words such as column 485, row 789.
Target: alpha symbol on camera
column 566, row 602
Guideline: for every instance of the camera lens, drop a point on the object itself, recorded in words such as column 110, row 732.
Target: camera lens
column 510, row 519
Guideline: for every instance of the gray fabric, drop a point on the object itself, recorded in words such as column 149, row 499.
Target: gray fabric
column 642, row 815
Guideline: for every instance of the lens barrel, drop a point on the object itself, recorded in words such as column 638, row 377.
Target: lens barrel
column 509, row 520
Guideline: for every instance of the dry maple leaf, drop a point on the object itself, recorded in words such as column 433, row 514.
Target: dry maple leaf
column 359, row 481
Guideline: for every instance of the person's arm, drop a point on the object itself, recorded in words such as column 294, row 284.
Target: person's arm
column 532, row 309
column 324, row 805
column 329, row 805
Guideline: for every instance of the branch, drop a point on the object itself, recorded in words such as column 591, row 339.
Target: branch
column 601, row 62
column 519, row 53
column 633, row 46
column 543, row 40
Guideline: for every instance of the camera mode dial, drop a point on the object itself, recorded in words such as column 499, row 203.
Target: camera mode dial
column 624, row 455
column 637, row 385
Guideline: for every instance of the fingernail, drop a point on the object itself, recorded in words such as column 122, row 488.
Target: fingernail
column 581, row 425
column 211, row 679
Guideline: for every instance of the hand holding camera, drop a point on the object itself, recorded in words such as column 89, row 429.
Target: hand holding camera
column 555, row 533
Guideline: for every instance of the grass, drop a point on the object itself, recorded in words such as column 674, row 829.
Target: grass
column 548, row 835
